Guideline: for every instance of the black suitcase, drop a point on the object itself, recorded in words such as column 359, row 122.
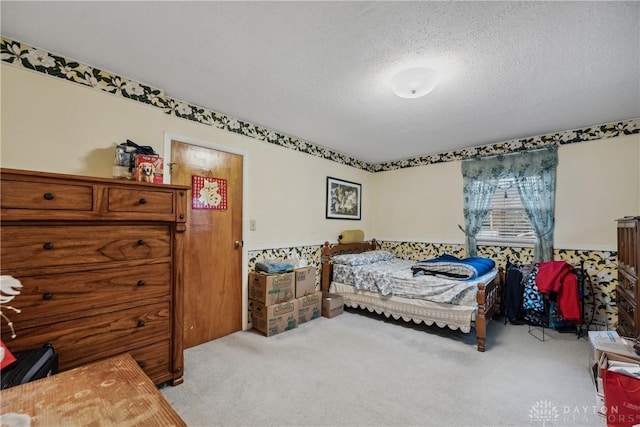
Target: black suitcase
column 30, row 365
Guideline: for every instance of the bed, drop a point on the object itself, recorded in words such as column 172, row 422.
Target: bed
column 384, row 284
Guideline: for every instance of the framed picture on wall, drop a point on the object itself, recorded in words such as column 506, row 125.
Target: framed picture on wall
column 344, row 199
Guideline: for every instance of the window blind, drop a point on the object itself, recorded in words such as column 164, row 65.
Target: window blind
column 507, row 220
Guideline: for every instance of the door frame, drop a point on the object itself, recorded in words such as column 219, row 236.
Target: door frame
column 168, row 137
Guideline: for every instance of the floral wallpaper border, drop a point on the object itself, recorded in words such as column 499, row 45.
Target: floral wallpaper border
column 28, row 57
column 603, row 131
column 601, row 266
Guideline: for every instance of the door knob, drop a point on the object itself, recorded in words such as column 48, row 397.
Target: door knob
column 238, row 244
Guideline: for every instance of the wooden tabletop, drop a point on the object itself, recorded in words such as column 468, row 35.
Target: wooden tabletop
column 111, row 392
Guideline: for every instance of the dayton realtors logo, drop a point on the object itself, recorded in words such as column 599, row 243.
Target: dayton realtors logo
column 545, row 412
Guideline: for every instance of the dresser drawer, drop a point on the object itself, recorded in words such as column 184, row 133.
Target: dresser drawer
column 147, row 201
column 626, row 326
column 86, row 339
column 70, row 293
column 46, row 196
column 41, row 246
column 627, row 313
column 628, row 284
column 625, row 308
column 154, row 360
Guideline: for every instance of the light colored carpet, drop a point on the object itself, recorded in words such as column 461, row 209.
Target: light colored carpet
column 364, row 370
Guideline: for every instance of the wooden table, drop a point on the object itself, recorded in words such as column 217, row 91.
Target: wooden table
column 111, row 392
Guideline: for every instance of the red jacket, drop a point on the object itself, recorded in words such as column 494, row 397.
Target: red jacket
column 557, row 276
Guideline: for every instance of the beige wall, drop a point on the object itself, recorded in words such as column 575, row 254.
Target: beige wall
column 52, row 125
column 420, row 204
column 597, row 182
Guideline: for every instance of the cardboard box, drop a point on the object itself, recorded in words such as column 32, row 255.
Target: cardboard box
column 149, row 168
column 309, row 307
column 305, row 281
column 332, row 304
column 271, row 289
column 274, row 319
column 250, row 314
column 610, row 342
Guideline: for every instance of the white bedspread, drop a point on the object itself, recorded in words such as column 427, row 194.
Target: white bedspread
column 395, row 278
column 431, row 313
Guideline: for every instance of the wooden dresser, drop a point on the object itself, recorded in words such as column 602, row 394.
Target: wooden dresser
column 100, row 261
column 627, row 292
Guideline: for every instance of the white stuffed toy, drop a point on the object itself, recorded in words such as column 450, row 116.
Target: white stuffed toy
column 9, row 289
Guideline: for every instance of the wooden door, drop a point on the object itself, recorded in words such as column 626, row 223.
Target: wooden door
column 213, row 251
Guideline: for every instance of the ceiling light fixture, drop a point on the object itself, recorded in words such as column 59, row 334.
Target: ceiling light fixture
column 414, row 82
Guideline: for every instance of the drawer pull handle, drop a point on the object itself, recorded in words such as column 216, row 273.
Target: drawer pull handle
column 47, row 296
column 140, row 242
column 140, row 323
column 141, row 363
column 48, row 196
column 48, row 246
column 143, row 201
column 141, row 283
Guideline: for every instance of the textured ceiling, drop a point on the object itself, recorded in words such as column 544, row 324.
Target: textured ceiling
column 319, row 71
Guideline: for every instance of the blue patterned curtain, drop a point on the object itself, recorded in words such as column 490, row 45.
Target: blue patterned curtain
column 478, row 192
column 535, row 175
column 537, row 188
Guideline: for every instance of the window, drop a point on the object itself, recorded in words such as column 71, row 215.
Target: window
column 507, row 221
column 534, row 172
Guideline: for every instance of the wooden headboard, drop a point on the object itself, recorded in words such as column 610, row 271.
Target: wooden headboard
column 341, row 248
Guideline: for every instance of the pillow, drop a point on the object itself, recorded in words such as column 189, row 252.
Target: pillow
column 363, row 258
column 351, row 236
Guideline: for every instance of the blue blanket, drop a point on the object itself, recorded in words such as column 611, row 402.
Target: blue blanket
column 452, row 267
column 273, row 266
